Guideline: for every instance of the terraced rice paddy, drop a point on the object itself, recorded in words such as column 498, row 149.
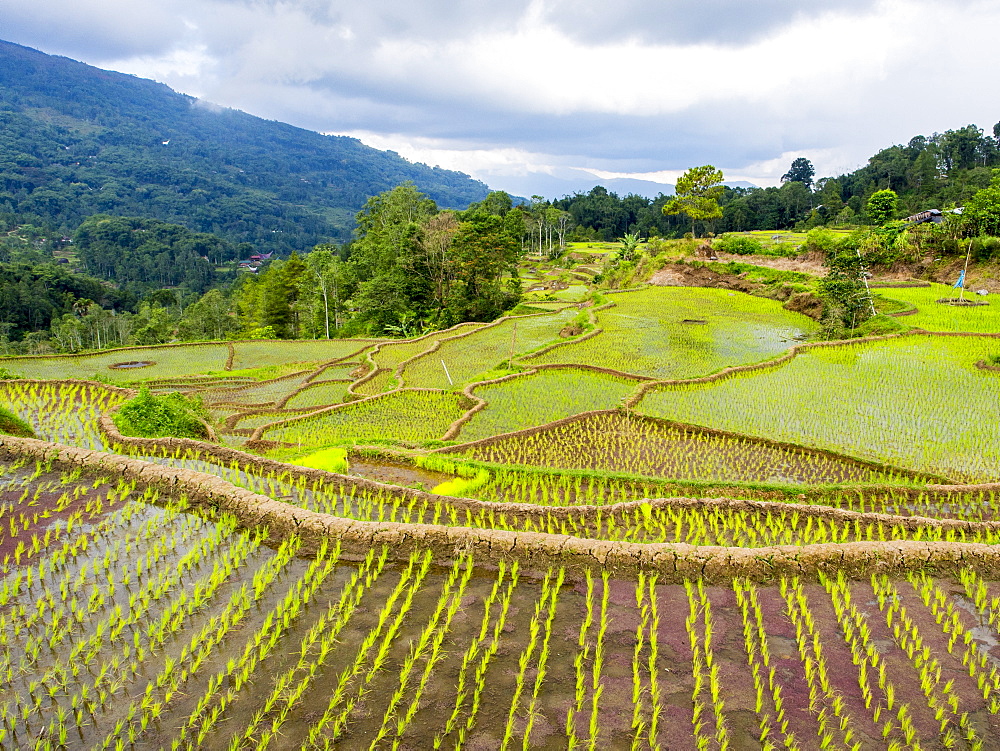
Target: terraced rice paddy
column 462, row 358
column 621, row 442
column 160, row 628
column 542, row 397
column 168, row 361
column 915, row 402
column 604, row 582
column 684, row 332
column 401, row 416
column 934, row 316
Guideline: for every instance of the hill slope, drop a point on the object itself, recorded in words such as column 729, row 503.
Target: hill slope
column 76, row 140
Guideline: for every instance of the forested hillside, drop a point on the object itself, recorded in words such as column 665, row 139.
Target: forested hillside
column 940, row 171
column 77, row 141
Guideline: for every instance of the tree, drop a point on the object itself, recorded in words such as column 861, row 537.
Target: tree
column 847, row 299
column 881, row 207
column 697, row 194
column 981, row 215
column 801, row 171
column 324, row 280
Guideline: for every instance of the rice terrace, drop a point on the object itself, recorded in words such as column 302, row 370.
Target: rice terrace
column 665, row 517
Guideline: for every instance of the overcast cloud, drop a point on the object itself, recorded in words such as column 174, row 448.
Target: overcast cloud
column 505, row 90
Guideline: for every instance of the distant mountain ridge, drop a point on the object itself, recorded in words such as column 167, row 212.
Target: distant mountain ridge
column 77, row 140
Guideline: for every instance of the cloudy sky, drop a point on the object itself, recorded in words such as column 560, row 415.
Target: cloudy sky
column 518, row 92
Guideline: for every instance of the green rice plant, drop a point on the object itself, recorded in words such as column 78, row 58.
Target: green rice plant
column 975, row 659
column 542, row 660
column 933, row 316
column 427, row 647
column 900, row 401
column 313, row 651
column 477, row 670
column 366, row 664
column 167, row 361
column 940, row 698
column 547, row 395
column 623, row 442
column 463, row 358
column 62, row 413
column 684, row 332
column 823, row 699
column 401, row 416
column 543, row 607
column 319, row 394
column 238, row 672
column 254, row 354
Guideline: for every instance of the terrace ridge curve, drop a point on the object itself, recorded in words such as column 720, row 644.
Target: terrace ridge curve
column 674, row 562
column 689, row 427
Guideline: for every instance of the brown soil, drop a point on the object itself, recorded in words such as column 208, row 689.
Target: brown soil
column 574, row 329
column 681, row 275
column 807, row 263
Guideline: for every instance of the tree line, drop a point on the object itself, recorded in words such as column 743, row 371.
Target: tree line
column 411, row 267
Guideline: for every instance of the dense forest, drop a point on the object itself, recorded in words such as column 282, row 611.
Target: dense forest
column 77, row 141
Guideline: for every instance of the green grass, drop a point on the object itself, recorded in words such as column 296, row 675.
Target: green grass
column 915, row 402
column 541, row 398
column 644, row 333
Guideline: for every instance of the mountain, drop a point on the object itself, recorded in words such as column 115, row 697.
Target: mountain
column 76, row 140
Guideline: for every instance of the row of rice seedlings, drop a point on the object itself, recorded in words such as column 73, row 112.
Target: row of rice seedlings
column 237, row 672
column 427, row 647
column 42, row 573
column 893, row 401
column 823, row 699
column 314, row 648
column 976, row 660
column 622, row 442
column 63, row 413
column 175, row 673
column 545, row 611
column 319, row 394
column 699, row 626
column 942, row 701
column 477, row 658
column 21, row 524
column 868, row 659
column 590, row 650
column 55, row 615
column 353, row 680
column 643, row 523
column 647, row 703
column 117, row 658
column 769, row 697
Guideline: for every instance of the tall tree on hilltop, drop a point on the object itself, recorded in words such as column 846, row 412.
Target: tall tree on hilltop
column 801, row 171
column 697, row 194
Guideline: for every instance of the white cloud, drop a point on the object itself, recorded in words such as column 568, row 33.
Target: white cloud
column 638, row 88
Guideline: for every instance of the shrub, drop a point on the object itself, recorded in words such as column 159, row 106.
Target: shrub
column 740, row 245
column 7, row 375
column 11, row 424
column 151, row 415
